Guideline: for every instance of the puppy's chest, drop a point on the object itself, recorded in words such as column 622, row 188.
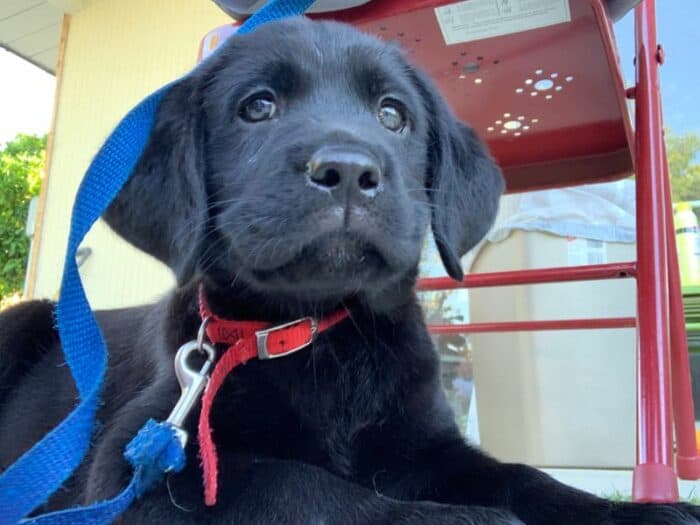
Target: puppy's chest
column 321, row 408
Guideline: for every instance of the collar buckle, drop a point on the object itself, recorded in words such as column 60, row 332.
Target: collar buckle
column 262, row 338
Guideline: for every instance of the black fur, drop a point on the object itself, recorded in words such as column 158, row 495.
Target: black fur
column 354, row 429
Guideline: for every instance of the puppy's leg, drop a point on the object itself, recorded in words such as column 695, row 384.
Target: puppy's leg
column 27, row 332
column 457, row 474
column 294, row 493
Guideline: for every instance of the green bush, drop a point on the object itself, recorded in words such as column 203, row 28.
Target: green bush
column 683, row 153
column 21, row 164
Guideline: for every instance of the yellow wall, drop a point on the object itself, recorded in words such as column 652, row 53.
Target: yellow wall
column 117, row 52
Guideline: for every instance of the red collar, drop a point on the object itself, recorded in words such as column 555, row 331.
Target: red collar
column 271, row 341
column 246, row 340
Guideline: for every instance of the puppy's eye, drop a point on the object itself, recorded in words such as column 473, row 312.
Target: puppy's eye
column 258, row 107
column 391, row 116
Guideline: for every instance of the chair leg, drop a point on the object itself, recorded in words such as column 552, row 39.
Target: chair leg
column 654, row 477
column 687, row 459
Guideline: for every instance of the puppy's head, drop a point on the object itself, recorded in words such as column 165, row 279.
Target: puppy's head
column 307, row 159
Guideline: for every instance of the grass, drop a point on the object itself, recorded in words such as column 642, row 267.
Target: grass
column 621, row 496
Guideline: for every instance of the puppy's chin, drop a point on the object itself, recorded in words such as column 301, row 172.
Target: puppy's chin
column 334, row 265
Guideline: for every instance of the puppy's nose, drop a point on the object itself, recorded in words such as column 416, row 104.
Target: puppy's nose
column 345, row 171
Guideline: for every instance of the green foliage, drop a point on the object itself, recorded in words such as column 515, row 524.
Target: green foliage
column 684, row 165
column 21, row 162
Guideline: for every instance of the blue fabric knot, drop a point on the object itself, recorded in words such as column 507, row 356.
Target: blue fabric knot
column 154, row 451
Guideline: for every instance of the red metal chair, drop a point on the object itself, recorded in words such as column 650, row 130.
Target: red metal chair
column 548, row 96
column 551, row 103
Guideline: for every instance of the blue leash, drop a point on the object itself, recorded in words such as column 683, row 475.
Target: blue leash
column 42, row 470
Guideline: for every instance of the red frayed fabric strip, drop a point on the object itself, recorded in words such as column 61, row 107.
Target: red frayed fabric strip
column 238, row 354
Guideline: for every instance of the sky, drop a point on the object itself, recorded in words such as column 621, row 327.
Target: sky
column 26, row 92
column 678, row 31
column 26, row 97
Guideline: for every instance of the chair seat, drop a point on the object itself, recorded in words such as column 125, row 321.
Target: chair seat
column 545, row 91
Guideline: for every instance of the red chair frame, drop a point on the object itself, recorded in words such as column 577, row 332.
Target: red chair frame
column 664, row 399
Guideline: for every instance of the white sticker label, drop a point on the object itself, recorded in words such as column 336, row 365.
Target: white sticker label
column 585, row 251
column 477, row 19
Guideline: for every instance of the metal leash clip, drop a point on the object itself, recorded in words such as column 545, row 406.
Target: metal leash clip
column 192, row 382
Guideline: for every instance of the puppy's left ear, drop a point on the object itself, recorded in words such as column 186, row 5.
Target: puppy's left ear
column 463, row 182
column 162, row 209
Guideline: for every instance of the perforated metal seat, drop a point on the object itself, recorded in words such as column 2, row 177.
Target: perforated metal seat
column 550, row 101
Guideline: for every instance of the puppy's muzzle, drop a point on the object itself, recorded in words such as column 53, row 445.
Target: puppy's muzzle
column 350, row 174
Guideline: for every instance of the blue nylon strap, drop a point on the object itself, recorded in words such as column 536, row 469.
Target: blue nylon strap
column 31, row 480
column 101, row 513
column 44, row 468
column 274, row 10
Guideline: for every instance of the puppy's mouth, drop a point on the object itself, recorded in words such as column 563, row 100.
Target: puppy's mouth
column 335, row 262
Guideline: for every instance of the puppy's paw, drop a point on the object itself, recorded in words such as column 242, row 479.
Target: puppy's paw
column 654, row 514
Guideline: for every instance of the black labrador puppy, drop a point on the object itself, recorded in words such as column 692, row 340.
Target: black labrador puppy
column 293, row 174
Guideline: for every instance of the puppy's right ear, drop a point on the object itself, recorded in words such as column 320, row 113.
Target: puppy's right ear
column 162, row 208
column 463, row 182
